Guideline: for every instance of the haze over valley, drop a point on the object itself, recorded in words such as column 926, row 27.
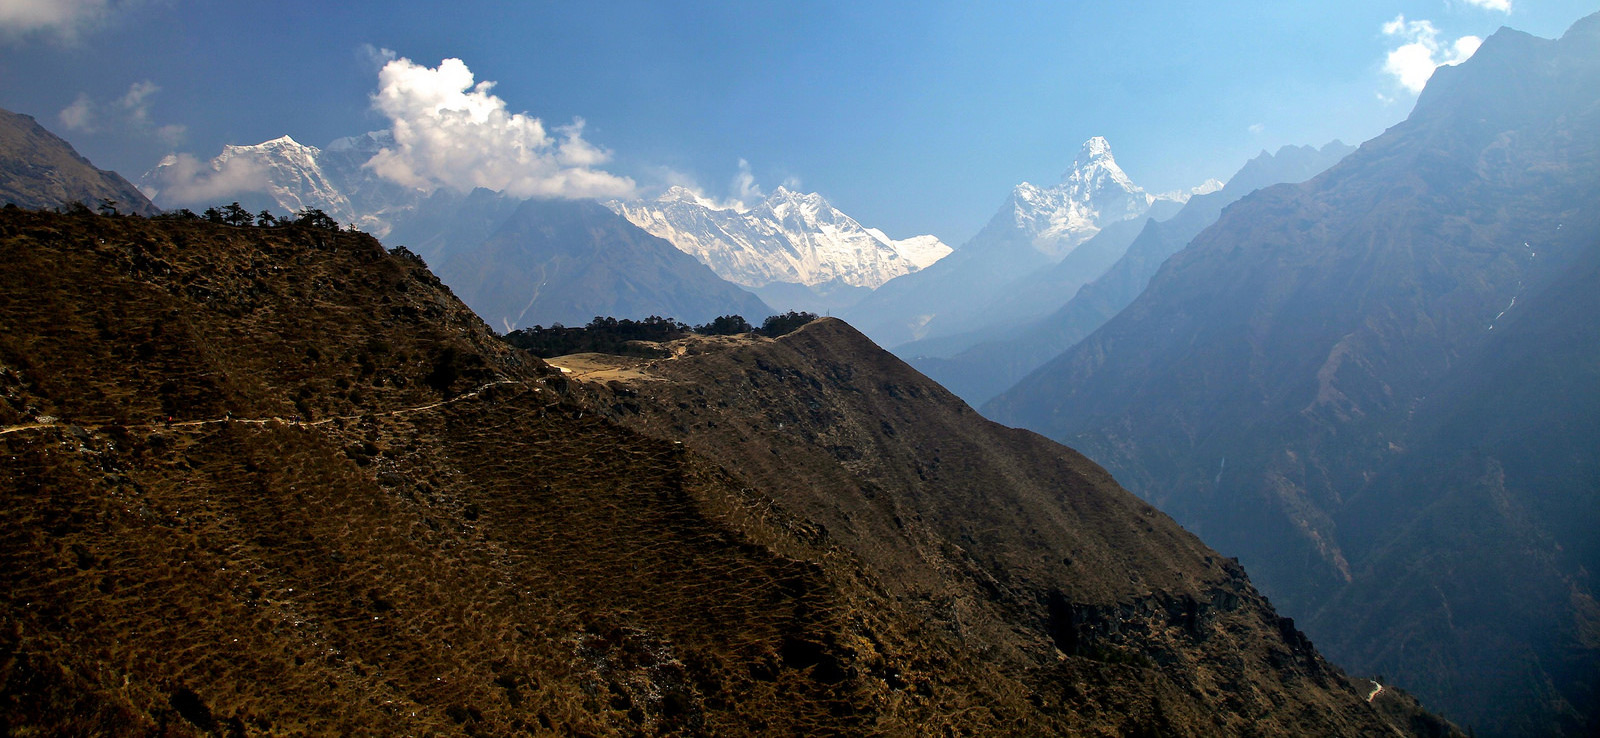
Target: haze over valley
column 849, row 369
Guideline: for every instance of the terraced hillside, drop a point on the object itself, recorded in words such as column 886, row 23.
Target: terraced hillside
column 279, row 481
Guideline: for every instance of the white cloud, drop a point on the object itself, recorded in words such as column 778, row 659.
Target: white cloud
column 136, row 102
column 449, row 131
column 375, row 56
column 1257, row 129
column 62, row 18
column 743, row 192
column 1413, row 62
column 744, row 187
column 79, row 116
column 182, row 179
column 129, row 114
column 1503, row 6
column 172, row 134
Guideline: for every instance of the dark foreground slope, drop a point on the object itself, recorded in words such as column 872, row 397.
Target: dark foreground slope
column 279, row 481
column 1379, row 389
column 38, row 170
column 1099, row 607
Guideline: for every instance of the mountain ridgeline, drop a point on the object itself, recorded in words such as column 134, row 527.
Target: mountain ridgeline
column 1379, row 389
column 38, row 170
column 279, row 480
column 567, row 261
column 1084, row 298
column 518, row 262
column 1035, row 228
column 794, row 249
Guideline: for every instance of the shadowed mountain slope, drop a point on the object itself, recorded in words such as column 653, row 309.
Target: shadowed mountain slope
column 268, row 481
column 41, row 171
column 567, row 261
column 991, row 278
column 988, row 368
column 996, row 538
column 1378, row 389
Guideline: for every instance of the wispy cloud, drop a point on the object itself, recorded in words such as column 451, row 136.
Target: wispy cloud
column 744, row 187
column 79, row 116
column 450, row 131
column 1503, row 6
column 1257, row 129
column 743, row 192
column 63, row 19
column 128, row 114
column 1420, row 51
column 136, row 101
column 182, row 179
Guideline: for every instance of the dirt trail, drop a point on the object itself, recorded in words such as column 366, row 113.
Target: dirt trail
column 602, row 367
column 262, row 421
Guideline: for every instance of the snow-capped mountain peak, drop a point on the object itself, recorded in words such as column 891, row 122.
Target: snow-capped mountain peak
column 789, row 236
column 287, row 176
column 1093, row 192
column 292, row 176
column 808, row 209
column 1095, row 149
column 681, row 194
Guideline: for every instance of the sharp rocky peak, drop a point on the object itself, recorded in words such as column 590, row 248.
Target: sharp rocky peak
column 783, row 194
column 281, row 142
column 1095, row 164
column 1096, row 148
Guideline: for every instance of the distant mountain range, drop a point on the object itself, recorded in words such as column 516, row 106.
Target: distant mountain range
column 517, row 262
column 1381, row 390
column 795, row 249
column 789, row 239
column 39, row 170
column 567, row 261
column 982, row 364
column 286, row 176
column 1036, row 228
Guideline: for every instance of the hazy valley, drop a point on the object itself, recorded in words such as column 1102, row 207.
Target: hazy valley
column 449, row 428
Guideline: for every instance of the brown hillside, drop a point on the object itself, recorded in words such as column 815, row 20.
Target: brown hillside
column 279, row 481
column 1002, row 541
column 40, row 171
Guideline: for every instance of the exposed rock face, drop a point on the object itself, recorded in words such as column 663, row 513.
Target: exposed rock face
column 1378, row 388
column 40, row 171
column 297, row 461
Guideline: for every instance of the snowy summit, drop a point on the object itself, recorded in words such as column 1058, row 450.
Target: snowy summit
column 790, row 237
column 1093, row 193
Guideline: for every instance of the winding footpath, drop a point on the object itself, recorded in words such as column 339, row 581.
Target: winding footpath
column 55, row 423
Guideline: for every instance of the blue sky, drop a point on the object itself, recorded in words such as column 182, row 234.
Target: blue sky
column 912, row 117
